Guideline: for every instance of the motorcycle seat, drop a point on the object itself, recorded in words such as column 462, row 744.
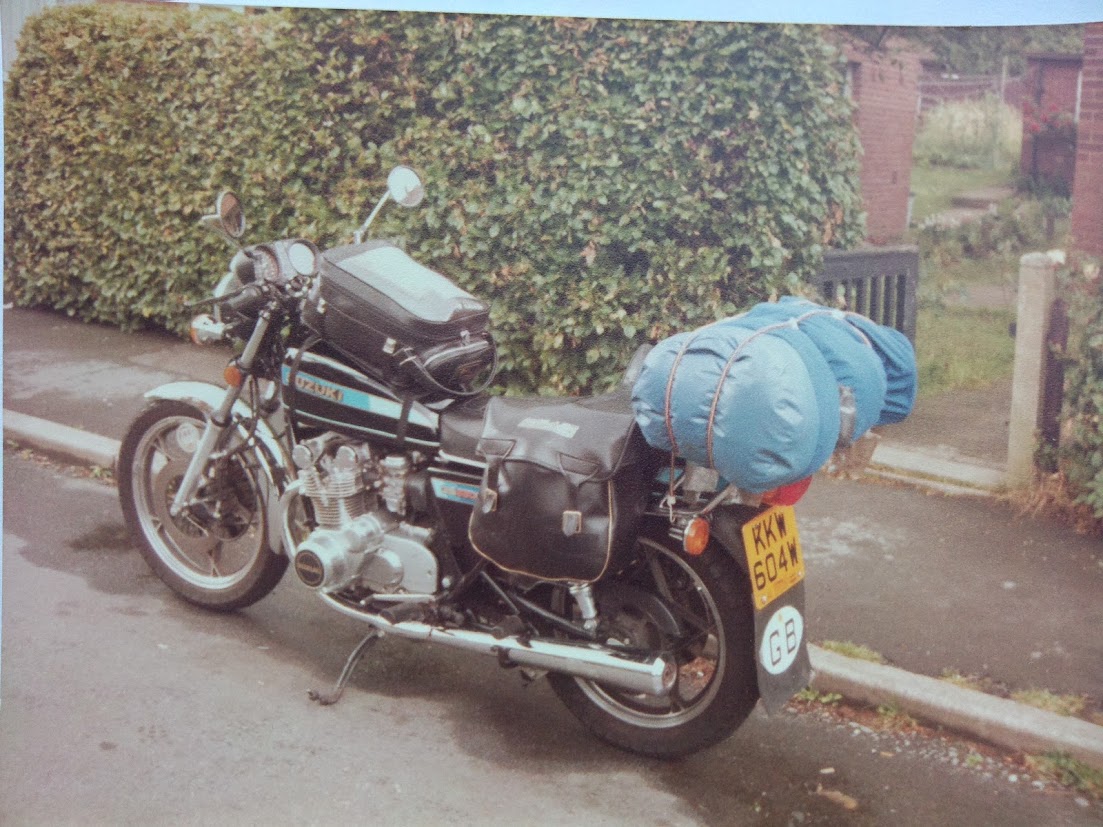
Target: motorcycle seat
column 461, row 426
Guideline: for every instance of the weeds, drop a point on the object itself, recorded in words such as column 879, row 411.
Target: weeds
column 894, row 718
column 962, row 681
column 853, row 650
column 1067, row 705
column 1067, row 771
column 810, row 695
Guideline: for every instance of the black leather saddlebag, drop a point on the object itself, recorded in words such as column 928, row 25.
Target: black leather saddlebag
column 399, row 321
column 565, row 486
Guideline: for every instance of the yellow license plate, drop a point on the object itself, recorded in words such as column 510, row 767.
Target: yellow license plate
column 774, row 557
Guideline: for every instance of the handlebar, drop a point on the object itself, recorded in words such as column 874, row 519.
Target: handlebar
column 248, row 301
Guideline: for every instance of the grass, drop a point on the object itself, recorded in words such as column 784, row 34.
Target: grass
column 960, row 680
column 935, row 187
column 853, row 650
column 960, row 348
column 1067, row 705
column 997, row 271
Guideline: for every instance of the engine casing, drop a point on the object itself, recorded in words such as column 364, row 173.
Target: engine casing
column 360, row 539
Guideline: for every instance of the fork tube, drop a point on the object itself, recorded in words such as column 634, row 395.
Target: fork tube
column 220, row 421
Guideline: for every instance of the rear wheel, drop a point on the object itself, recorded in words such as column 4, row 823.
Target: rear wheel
column 215, row 553
column 696, row 610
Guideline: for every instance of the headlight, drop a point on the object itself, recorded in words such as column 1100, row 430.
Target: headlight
column 303, row 258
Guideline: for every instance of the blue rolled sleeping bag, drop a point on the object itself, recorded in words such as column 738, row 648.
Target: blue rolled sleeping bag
column 898, row 357
column 853, row 360
column 757, row 396
column 741, row 401
column 823, row 385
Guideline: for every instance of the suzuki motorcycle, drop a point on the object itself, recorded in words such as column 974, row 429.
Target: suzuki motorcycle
column 355, row 439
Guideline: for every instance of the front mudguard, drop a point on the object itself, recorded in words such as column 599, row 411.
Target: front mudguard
column 781, row 648
column 270, row 453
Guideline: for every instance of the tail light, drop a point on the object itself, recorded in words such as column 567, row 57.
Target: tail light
column 787, row 494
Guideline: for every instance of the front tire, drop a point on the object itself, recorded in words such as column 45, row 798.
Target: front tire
column 697, row 609
column 216, row 553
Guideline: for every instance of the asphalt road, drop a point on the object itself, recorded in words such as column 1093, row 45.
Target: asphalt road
column 123, row 705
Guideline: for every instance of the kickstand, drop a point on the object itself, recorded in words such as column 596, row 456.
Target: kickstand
column 334, row 695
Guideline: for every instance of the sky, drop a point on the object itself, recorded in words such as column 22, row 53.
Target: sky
column 859, row 12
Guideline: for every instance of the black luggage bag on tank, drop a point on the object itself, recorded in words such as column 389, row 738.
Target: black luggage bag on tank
column 399, row 321
column 565, row 486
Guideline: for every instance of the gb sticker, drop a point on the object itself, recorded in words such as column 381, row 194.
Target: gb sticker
column 781, row 640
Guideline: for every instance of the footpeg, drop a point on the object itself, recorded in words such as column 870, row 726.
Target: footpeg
column 402, row 612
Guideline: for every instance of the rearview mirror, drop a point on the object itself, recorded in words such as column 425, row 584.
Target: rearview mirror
column 405, row 186
column 231, row 217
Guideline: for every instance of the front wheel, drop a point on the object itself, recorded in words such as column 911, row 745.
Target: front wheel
column 696, row 610
column 215, row 553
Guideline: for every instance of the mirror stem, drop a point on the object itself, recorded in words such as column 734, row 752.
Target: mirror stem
column 359, row 236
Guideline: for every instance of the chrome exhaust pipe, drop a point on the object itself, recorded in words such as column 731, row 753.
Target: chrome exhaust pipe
column 647, row 675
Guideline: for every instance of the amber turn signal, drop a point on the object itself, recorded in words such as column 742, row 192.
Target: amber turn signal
column 696, row 537
column 233, row 375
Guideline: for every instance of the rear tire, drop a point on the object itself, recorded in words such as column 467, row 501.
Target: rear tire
column 703, row 617
column 216, row 554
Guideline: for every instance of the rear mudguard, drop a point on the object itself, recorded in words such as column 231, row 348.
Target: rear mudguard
column 271, row 454
column 781, row 649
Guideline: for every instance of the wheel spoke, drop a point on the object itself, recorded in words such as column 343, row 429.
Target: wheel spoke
column 678, row 607
column 235, row 554
column 166, row 444
column 659, row 576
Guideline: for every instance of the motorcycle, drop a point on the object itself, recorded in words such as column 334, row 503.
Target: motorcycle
column 355, row 438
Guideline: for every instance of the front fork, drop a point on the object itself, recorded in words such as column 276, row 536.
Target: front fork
column 220, row 421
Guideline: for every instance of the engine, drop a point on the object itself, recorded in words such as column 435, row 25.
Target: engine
column 361, row 537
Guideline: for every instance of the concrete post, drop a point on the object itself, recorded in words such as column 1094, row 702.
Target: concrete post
column 1036, row 283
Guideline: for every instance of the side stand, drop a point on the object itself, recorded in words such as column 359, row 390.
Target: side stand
column 334, row 695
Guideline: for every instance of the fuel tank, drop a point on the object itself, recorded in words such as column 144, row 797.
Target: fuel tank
column 323, row 392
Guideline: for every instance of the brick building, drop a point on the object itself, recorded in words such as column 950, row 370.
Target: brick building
column 1050, row 112
column 1087, row 194
column 884, row 84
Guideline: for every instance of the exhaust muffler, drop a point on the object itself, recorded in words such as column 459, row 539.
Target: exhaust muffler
column 625, row 670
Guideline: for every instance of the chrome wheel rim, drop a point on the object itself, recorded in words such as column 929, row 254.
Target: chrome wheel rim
column 213, row 544
column 700, row 655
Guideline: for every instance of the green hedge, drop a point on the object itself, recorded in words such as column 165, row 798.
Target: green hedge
column 602, row 183
column 1082, row 435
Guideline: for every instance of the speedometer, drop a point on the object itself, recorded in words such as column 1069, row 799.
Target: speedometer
column 266, row 265
column 303, row 257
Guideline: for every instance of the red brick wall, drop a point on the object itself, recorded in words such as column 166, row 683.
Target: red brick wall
column 886, row 91
column 1087, row 194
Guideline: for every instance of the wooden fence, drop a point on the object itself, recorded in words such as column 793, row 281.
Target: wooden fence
column 879, row 283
